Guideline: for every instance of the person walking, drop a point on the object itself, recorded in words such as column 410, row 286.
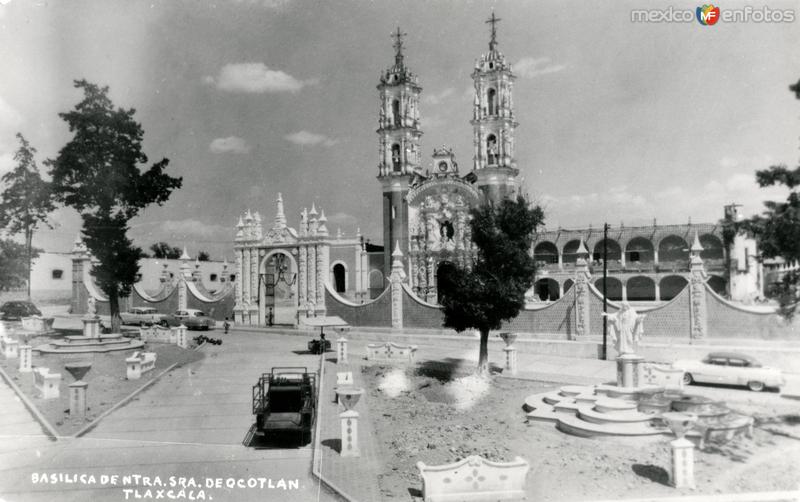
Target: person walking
column 226, row 325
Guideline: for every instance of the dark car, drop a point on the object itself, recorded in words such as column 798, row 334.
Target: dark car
column 17, row 309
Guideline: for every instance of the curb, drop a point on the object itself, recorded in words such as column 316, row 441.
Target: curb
column 316, row 461
column 48, row 429
column 94, row 423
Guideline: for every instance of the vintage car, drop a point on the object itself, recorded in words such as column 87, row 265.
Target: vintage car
column 284, row 403
column 143, row 316
column 15, row 310
column 730, row 368
column 191, row 318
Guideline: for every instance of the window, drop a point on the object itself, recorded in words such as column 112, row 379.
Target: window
column 491, row 97
column 339, row 278
column 213, row 277
column 233, row 277
column 737, row 363
column 634, row 255
column 718, row 361
column 396, row 158
column 58, row 273
column 396, row 112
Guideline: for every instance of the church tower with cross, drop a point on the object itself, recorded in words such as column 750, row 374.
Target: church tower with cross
column 493, row 122
column 399, row 153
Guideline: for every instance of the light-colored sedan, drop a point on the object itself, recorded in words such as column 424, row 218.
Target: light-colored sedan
column 192, row 319
column 730, row 368
column 142, row 316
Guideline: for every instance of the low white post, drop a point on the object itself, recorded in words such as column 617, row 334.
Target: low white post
column 25, row 355
column 77, row 399
column 11, row 348
column 511, row 359
column 182, row 337
column 349, row 433
column 341, row 350
column 134, row 367
column 682, row 472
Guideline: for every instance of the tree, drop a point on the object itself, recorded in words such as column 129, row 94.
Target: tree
column 15, row 261
column 493, row 290
column 203, row 256
column 97, row 172
column 164, row 251
column 26, row 200
column 777, row 229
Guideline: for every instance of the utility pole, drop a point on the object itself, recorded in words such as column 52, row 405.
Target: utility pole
column 605, row 291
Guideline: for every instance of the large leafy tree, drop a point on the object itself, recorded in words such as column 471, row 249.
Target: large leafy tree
column 98, row 173
column 14, row 264
column 777, row 229
column 493, row 290
column 162, row 250
column 26, row 201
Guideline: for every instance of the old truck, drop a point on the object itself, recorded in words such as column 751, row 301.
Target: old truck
column 284, row 403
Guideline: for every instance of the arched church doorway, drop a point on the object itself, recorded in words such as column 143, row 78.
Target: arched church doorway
column 445, row 274
column 339, row 282
column 277, row 299
column 547, row 289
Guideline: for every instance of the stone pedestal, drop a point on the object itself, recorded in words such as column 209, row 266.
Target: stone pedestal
column 682, row 467
column 349, row 434
column 511, row 359
column 133, row 367
column 91, row 327
column 77, row 399
column 11, row 348
column 341, row 350
column 25, row 359
column 181, row 341
column 629, row 371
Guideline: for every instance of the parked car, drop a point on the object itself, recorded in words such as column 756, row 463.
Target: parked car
column 730, row 368
column 191, row 318
column 143, row 316
column 17, row 309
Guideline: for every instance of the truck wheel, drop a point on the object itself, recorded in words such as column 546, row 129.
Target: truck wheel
column 755, row 386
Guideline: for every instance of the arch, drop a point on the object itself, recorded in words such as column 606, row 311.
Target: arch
column 712, row 247
column 671, row 285
column 491, row 149
column 277, row 290
column 339, row 277
column 375, row 283
column 673, row 248
column 641, row 289
column 569, row 252
column 613, row 288
column 444, row 277
column 546, row 289
column 613, row 249
column 396, row 113
column 396, row 157
column 491, row 99
column 639, row 249
column 568, row 284
column 718, row 284
column 545, row 252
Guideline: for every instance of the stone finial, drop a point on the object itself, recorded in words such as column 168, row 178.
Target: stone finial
column 321, row 228
column 358, row 232
column 398, row 273
column 241, row 223
column 304, row 222
column 312, row 220
column 185, row 256
column 248, row 217
column 280, row 217
column 78, row 246
column 582, row 249
column 257, row 218
column 339, row 233
column 696, row 249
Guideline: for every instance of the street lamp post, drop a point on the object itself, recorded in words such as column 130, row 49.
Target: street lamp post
column 605, row 291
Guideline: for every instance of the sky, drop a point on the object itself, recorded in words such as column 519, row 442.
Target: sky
column 620, row 121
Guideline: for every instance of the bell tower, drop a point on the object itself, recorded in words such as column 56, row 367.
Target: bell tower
column 493, row 122
column 398, row 147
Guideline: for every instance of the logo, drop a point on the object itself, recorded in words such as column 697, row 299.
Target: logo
column 708, row 15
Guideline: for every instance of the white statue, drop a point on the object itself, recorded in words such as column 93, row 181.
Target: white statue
column 628, row 329
column 91, row 307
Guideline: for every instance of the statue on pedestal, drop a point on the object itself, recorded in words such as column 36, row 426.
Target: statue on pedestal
column 628, row 329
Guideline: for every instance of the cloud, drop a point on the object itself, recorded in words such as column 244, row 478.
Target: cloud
column 192, row 228
column 255, row 78
column 532, row 67
column 753, row 162
column 341, row 219
column 6, row 162
column 432, row 121
column 435, row 99
column 231, row 144
column 305, row 138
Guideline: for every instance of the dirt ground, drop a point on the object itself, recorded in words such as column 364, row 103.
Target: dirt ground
column 107, row 380
column 435, row 415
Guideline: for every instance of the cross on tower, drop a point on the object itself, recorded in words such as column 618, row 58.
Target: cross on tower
column 493, row 20
column 398, row 44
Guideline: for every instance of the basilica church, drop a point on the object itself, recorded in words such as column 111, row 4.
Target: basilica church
column 284, row 271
